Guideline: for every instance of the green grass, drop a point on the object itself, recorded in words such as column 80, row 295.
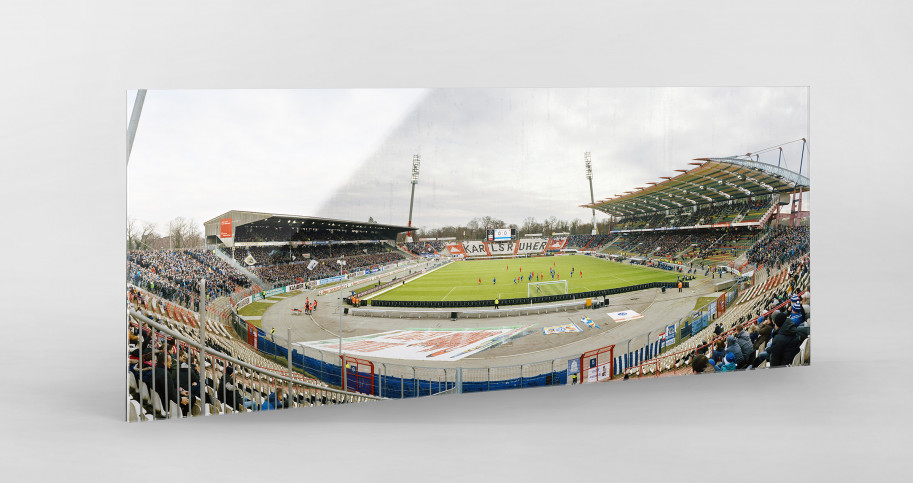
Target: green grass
column 460, row 280
column 702, row 301
column 256, row 308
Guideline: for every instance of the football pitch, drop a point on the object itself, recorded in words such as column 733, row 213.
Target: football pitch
column 460, row 280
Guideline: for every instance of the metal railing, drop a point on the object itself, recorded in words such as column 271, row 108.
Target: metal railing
column 175, row 400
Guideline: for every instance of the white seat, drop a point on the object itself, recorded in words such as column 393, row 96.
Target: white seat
column 212, row 409
column 157, row 405
column 131, row 382
column 144, row 393
column 132, row 410
column 175, row 412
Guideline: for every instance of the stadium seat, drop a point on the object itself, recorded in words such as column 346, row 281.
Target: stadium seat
column 157, row 406
column 145, row 398
column 212, row 409
column 135, row 412
column 131, row 383
column 175, row 412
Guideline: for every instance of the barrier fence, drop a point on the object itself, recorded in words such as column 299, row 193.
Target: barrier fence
column 391, row 380
column 402, row 380
column 514, row 301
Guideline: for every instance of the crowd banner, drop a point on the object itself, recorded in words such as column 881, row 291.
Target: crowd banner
column 274, row 291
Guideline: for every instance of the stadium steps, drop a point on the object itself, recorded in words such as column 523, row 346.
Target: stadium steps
column 237, row 266
column 409, row 255
column 610, row 248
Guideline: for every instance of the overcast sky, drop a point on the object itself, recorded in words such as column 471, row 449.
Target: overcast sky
column 505, row 153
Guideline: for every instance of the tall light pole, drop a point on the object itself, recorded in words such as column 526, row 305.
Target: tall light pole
column 589, row 176
column 342, row 365
column 416, row 161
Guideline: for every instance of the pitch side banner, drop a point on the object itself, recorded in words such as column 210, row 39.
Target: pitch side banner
column 624, row 316
column 421, row 344
column 242, row 303
column 598, row 373
column 271, row 292
column 225, row 228
column 561, row 329
column 589, row 322
column 668, row 337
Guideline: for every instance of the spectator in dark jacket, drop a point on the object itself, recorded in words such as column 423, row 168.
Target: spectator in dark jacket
column 785, row 344
column 189, row 379
column 744, row 341
column 228, row 392
column 732, row 345
column 165, row 385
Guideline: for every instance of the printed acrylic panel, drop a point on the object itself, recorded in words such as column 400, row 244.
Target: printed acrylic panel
column 347, row 246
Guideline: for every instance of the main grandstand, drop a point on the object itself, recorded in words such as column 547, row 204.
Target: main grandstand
column 305, row 311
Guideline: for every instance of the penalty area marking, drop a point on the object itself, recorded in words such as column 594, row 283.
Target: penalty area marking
column 448, row 293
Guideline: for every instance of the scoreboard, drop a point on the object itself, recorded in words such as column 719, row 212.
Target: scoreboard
column 501, row 234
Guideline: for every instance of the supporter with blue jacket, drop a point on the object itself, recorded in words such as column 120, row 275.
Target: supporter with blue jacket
column 728, row 364
column 275, row 400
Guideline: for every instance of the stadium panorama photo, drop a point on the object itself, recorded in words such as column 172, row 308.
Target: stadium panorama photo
column 428, row 242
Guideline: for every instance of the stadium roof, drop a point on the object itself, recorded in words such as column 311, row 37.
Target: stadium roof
column 240, row 218
column 715, row 180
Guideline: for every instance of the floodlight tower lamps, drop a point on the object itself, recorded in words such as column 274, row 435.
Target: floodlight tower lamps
column 589, row 176
column 416, row 162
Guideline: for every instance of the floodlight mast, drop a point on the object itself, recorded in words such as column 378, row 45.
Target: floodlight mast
column 589, row 176
column 416, row 162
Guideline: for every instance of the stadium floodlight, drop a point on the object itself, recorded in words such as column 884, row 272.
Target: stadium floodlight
column 589, row 176
column 416, row 162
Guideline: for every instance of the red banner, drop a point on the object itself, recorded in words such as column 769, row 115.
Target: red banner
column 225, row 228
column 251, row 335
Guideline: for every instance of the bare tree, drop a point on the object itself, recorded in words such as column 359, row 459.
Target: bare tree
column 185, row 233
column 473, row 225
column 132, row 234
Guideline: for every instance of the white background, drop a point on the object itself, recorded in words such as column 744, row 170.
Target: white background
column 67, row 66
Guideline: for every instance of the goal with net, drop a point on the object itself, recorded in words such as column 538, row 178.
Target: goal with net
column 541, row 289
